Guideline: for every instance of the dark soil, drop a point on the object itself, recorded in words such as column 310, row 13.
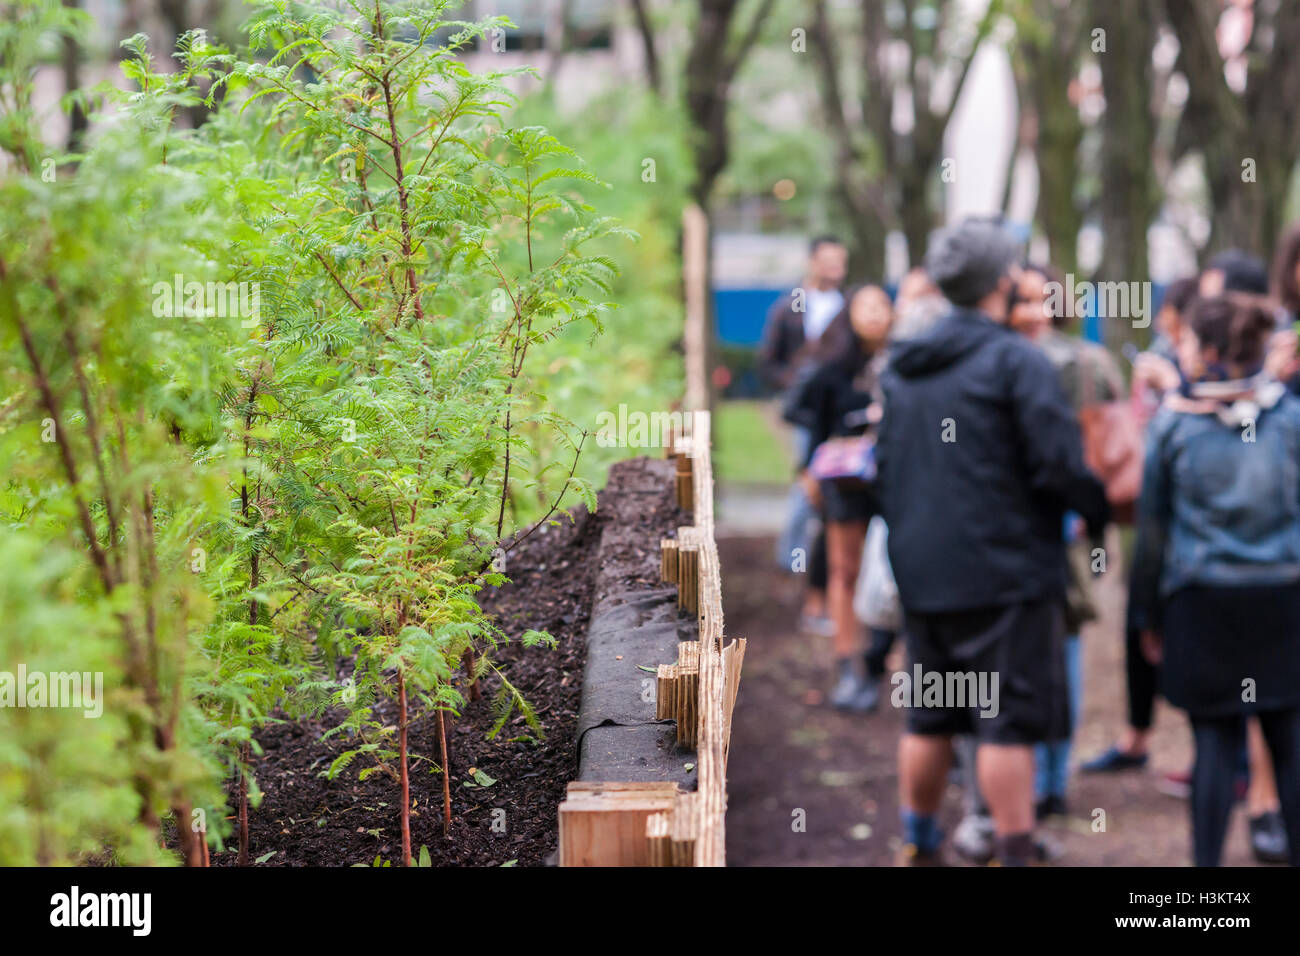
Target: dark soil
column 308, row 820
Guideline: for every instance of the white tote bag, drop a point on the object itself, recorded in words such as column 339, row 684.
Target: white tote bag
column 875, row 599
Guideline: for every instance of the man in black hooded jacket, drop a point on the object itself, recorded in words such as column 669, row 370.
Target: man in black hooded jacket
column 979, row 457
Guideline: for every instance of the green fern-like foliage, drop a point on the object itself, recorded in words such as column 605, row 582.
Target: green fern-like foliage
column 288, row 508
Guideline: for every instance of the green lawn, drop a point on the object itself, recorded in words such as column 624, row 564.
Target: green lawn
column 747, row 447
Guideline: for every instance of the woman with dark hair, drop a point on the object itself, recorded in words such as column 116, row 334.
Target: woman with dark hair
column 1231, row 272
column 841, row 399
column 1216, row 577
column 1088, row 375
column 1169, row 319
column 1286, row 272
column 1285, row 283
column 1155, row 373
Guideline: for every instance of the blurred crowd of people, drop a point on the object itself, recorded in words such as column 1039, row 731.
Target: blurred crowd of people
column 960, row 455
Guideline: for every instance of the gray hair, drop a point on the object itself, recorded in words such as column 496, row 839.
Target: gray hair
column 967, row 260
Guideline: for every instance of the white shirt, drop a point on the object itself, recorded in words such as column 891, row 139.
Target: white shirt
column 819, row 309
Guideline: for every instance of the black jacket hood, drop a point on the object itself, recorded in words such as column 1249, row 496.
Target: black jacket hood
column 957, row 334
column 978, row 457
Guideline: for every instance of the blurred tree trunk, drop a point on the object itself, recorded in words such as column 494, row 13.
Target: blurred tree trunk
column 559, row 37
column 178, row 17
column 78, row 123
column 654, row 75
column 719, row 45
column 175, row 18
column 870, row 214
column 1130, row 196
column 1048, row 44
column 886, row 170
column 1249, row 139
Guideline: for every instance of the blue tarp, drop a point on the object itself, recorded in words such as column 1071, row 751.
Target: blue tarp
column 742, row 312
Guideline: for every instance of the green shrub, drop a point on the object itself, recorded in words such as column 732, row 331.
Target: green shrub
column 284, row 485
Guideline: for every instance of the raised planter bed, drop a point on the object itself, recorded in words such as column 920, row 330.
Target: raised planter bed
column 609, row 698
column 630, row 805
column 556, row 574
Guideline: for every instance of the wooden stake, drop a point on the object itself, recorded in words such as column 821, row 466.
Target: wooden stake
column 668, row 560
column 405, row 776
column 446, row 774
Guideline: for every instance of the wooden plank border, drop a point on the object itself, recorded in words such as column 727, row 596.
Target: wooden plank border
column 615, row 824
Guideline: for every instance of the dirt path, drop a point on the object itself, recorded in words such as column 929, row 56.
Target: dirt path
column 791, row 753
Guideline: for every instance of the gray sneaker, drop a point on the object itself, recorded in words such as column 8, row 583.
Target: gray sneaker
column 867, row 697
column 1268, row 837
column 846, row 688
column 973, row 839
column 816, row 625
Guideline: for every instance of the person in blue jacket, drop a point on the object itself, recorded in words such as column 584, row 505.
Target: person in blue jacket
column 1216, row 576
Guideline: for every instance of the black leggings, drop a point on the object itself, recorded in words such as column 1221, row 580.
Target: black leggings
column 882, row 642
column 1219, row 743
column 1142, row 676
column 817, row 569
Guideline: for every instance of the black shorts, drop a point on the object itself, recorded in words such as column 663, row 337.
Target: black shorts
column 1002, row 672
column 848, row 501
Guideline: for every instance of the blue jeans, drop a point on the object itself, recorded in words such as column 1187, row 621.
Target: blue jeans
column 799, row 513
column 1052, row 759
